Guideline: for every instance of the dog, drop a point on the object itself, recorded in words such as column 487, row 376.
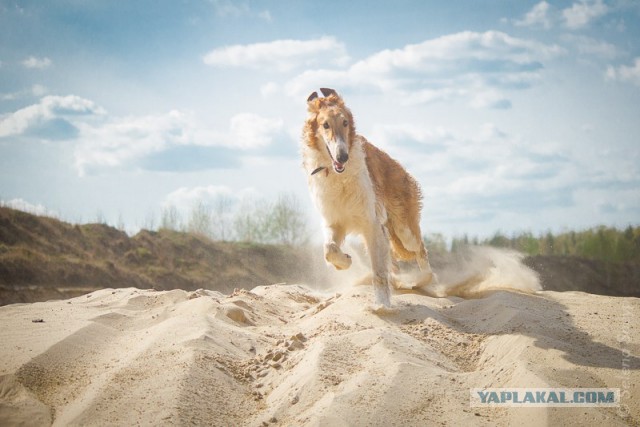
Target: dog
column 359, row 189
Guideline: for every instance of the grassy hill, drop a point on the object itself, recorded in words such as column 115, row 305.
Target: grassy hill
column 42, row 258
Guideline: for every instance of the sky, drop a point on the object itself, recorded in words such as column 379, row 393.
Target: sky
column 514, row 116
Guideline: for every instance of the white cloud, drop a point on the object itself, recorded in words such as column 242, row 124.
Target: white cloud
column 299, row 86
column 248, row 131
column 580, row 14
column 487, row 46
column 123, row 141
column 630, row 74
column 537, row 16
column 469, row 65
column 483, row 175
column 471, row 169
column 103, row 142
column 37, row 63
column 50, row 107
column 280, row 55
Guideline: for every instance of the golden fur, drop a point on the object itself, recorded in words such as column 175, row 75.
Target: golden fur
column 360, row 189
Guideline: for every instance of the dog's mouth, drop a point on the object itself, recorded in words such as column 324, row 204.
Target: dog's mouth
column 337, row 166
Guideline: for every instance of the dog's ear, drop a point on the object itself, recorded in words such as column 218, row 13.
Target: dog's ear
column 326, row 92
column 311, row 97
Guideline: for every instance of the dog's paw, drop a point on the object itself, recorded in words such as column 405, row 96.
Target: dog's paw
column 403, row 284
column 414, row 280
column 381, row 309
column 335, row 256
column 435, row 291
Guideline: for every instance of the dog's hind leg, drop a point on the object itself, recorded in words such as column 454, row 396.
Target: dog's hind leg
column 334, row 236
column 412, row 242
column 426, row 276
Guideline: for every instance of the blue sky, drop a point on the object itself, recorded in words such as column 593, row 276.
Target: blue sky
column 513, row 115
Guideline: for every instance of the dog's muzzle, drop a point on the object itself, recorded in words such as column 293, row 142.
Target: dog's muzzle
column 338, row 165
column 342, row 157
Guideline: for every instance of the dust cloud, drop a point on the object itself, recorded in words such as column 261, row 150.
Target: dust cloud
column 477, row 271
column 471, row 272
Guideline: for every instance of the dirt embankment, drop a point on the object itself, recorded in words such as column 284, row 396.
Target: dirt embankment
column 564, row 273
column 43, row 258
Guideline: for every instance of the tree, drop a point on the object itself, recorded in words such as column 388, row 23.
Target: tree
column 499, row 240
column 281, row 222
column 222, row 229
column 170, row 218
column 200, row 220
column 286, row 222
column 435, row 243
column 249, row 222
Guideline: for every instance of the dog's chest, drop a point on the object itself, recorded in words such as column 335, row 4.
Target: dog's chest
column 343, row 198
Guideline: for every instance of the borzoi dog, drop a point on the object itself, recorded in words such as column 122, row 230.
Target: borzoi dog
column 360, row 189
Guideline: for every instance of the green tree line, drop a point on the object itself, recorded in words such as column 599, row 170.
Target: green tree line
column 601, row 243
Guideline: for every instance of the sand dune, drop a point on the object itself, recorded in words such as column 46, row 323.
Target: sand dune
column 290, row 355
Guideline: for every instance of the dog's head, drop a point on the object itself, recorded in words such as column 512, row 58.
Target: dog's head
column 331, row 125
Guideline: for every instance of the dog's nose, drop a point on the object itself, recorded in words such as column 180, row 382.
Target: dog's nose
column 343, row 156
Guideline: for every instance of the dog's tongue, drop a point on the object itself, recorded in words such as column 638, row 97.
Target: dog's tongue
column 338, row 166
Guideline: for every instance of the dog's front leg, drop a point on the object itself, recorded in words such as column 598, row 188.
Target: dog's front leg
column 378, row 247
column 334, row 236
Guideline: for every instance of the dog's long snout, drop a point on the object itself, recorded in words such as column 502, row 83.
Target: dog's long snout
column 343, row 156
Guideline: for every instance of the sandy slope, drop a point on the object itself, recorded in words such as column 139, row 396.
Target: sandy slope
column 288, row 355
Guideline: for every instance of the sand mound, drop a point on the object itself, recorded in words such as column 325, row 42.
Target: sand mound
column 289, row 355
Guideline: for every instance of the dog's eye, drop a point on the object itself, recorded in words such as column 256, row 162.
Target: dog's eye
column 325, row 125
column 345, row 123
